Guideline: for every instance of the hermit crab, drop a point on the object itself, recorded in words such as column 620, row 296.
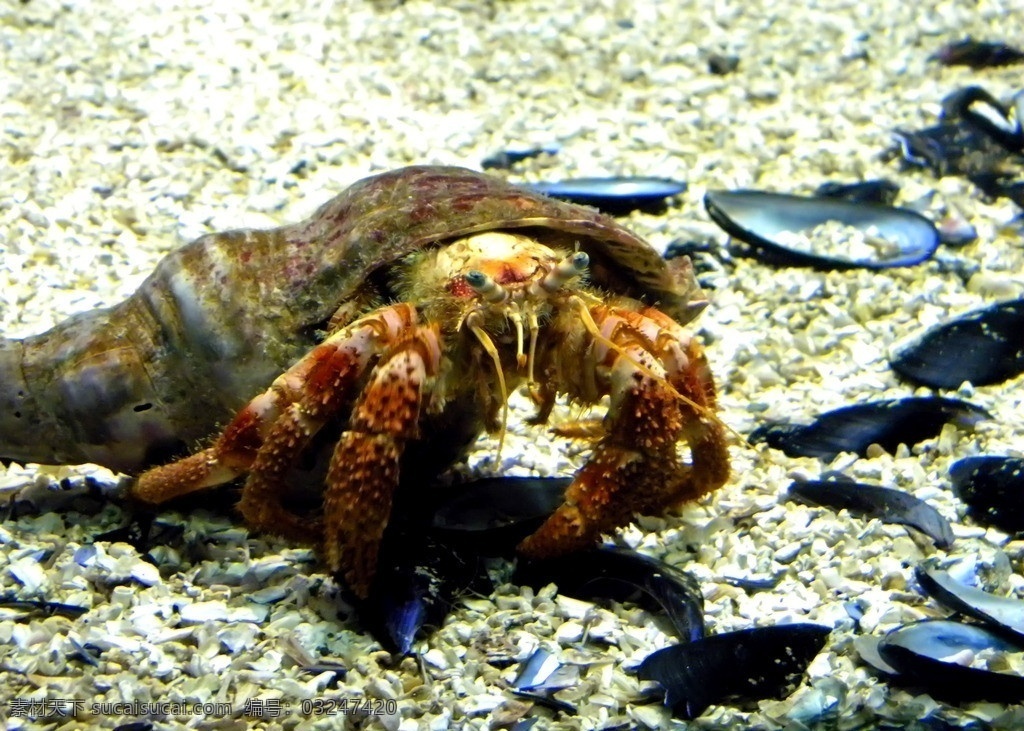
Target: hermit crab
column 398, row 318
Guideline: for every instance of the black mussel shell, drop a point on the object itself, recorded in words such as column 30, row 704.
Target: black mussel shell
column 984, row 347
column 892, row 237
column 418, row 578
column 493, row 514
column 871, row 501
column 887, row 423
column 881, row 191
column 33, row 608
column 609, row 572
column 978, row 54
column 750, row 664
column 721, row 64
column 1002, row 614
column 918, row 653
column 614, row 196
column 995, row 185
column 986, row 115
column 431, row 552
column 505, row 159
column 993, row 489
column 977, row 137
column 948, row 149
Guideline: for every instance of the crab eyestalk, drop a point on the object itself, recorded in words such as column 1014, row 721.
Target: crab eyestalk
column 572, row 266
column 492, row 292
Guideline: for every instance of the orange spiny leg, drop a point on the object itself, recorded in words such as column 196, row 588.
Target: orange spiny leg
column 635, row 466
column 230, row 456
column 688, row 372
column 364, row 468
column 319, row 383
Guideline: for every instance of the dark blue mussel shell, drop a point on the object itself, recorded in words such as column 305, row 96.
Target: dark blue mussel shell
column 751, row 664
column 505, row 159
column 887, row 423
column 871, row 501
column 880, row 191
column 758, row 218
column 981, row 112
column 614, row 196
column 617, row 573
column 985, row 346
column 978, row 54
column 417, row 581
column 978, row 137
column 432, row 551
column 1001, row 614
column 493, row 514
column 993, row 489
column 914, row 654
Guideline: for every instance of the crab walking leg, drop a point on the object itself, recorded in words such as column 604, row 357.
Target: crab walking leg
column 364, row 470
column 689, row 373
column 635, row 468
column 297, row 403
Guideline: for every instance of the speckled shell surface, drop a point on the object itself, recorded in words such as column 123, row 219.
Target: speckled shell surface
column 221, row 317
column 382, row 218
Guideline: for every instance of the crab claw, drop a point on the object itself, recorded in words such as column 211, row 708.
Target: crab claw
column 661, row 393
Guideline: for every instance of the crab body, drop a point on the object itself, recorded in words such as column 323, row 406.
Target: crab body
column 400, row 314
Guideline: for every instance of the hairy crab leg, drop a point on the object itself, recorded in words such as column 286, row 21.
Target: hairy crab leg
column 364, row 469
column 268, row 434
column 645, row 367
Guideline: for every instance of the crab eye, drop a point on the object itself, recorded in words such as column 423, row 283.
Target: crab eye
column 580, row 261
column 476, row 279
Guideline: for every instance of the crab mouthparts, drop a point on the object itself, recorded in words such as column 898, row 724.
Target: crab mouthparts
column 518, row 301
column 521, row 300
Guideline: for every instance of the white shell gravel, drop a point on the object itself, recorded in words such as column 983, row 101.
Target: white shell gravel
column 129, row 129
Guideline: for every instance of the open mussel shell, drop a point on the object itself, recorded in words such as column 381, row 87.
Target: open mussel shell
column 752, row 664
column 984, row 347
column 887, row 423
column 977, row 137
column 610, row 572
column 993, row 489
column 615, row 195
column 823, row 233
column 542, row 675
column 925, row 654
column 983, row 113
column 1003, row 614
column 871, row 501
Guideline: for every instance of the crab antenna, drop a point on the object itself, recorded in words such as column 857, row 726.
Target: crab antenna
column 574, row 265
column 472, row 321
column 534, row 330
column 516, row 316
column 485, row 286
